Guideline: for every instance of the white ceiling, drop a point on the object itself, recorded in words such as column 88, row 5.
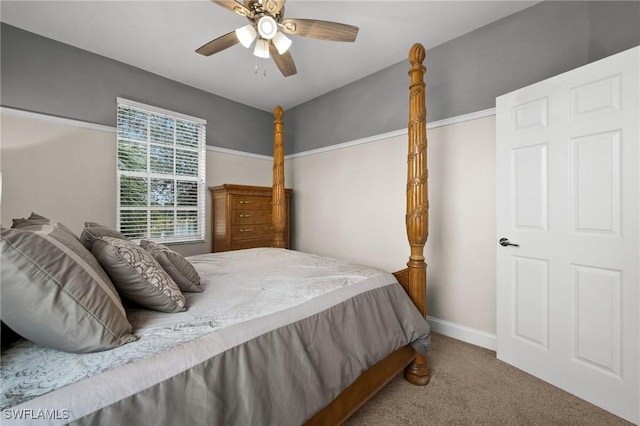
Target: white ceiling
column 161, row 37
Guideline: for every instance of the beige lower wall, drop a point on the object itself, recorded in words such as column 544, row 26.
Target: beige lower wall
column 350, row 203
column 67, row 172
column 461, row 252
column 347, row 203
column 62, row 171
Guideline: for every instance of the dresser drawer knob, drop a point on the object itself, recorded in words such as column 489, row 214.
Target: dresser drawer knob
column 246, row 230
column 245, row 202
column 245, row 215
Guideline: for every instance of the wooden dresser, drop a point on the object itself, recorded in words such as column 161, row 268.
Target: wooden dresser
column 242, row 217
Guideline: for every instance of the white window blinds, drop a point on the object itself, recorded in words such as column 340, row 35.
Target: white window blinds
column 161, row 174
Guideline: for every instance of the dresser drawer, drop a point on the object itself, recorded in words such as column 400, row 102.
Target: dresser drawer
column 243, row 217
column 245, row 202
column 246, row 244
column 251, row 231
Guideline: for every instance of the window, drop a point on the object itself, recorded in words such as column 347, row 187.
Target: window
column 161, row 174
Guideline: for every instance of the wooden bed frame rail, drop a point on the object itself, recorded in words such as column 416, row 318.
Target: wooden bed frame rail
column 413, row 278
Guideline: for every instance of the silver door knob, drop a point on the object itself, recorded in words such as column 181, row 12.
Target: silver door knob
column 504, row 242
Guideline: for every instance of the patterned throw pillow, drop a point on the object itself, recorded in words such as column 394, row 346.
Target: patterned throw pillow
column 178, row 268
column 92, row 231
column 137, row 275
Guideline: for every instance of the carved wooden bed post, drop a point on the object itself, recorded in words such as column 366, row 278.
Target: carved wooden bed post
column 278, row 203
column 413, row 278
column 417, row 216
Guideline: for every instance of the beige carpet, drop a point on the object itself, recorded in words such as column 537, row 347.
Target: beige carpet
column 469, row 386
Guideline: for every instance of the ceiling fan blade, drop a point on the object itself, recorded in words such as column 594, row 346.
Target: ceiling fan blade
column 221, row 43
column 323, row 30
column 233, row 6
column 284, row 62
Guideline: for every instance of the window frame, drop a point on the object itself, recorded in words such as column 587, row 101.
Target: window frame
column 175, row 236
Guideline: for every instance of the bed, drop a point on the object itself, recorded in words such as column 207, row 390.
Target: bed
column 270, row 336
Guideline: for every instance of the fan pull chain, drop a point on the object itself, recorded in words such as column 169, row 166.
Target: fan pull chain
column 255, row 68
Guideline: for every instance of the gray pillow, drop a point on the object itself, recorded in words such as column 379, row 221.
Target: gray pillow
column 93, row 231
column 37, row 219
column 178, row 268
column 55, row 293
column 137, row 275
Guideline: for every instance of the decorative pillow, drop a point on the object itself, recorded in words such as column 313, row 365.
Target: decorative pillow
column 93, row 231
column 178, row 268
column 137, row 275
column 35, row 218
column 55, row 293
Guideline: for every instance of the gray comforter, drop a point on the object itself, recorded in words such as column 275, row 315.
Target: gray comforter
column 275, row 336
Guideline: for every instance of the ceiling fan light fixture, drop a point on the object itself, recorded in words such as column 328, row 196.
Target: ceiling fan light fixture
column 246, row 35
column 281, row 42
column 262, row 48
column 267, row 27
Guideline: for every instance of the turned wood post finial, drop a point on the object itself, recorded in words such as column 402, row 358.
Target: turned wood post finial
column 278, row 213
column 417, row 54
column 278, row 113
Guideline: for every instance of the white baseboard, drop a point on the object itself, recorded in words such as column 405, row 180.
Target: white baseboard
column 464, row 333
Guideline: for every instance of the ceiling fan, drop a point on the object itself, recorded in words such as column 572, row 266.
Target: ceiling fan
column 266, row 17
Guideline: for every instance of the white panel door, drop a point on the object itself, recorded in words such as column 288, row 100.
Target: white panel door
column 568, row 192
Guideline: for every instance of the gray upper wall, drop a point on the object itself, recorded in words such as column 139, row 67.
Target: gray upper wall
column 464, row 75
column 46, row 76
column 467, row 74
